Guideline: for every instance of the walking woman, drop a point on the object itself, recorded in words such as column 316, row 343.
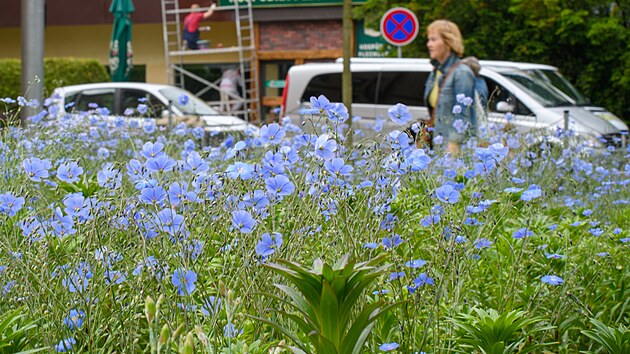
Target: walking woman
column 450, row 87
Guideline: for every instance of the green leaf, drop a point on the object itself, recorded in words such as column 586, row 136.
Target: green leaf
column 285, row 331
column 329, row 320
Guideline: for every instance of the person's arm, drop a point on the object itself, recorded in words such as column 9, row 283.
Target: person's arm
column 210, row 11
column 463, row 83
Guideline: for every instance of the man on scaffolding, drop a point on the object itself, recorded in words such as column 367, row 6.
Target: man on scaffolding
column 191, row 25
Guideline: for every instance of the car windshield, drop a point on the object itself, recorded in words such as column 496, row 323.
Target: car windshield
column 544, row 93
column 187, row 103
column 554, row 78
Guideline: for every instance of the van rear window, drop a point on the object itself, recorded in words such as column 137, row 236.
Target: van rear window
column 367, row 87
column 402, row 87
column 329, row 85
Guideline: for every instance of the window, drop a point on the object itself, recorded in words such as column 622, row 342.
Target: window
column 132, row 98
column 402, row 87
column 194, row 106
column 545, row 94
column 498, row 93
column 329, row 85
column 72, row 98
column 557, row 80
column 101, row 97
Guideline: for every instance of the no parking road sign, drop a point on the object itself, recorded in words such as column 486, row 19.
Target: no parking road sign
column 399, row 26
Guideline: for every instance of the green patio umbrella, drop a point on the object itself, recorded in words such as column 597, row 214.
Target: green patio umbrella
column 120, row 52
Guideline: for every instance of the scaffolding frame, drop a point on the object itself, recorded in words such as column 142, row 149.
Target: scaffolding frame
column 175, row 52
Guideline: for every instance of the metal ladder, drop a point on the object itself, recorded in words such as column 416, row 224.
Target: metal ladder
column 174, row 53
column 172, row 32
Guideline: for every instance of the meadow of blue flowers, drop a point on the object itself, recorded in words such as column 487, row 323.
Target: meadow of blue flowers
column 123, row 236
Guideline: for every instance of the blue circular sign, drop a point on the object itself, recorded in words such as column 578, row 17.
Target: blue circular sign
column 399, row 26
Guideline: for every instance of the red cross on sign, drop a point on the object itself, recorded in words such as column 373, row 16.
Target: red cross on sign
column 399, row 26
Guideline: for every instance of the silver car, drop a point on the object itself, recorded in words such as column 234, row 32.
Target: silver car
column 168, row 105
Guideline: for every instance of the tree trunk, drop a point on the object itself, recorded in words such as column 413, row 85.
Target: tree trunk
column 346, row 78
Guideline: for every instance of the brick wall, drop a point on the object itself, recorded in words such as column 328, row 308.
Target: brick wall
column 302, row 35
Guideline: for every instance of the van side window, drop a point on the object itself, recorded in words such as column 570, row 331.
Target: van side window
column 498, row 93
column 329, row 85
column 402, row 87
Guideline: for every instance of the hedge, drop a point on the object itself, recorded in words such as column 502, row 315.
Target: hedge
column 57, row 72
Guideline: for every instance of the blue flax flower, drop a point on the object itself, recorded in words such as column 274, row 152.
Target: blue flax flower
column 114, row 277
column 399, row 114
column 10, row 205
column 36, row 169
column 337, row 167
column 160, row 164
column 422, row 279
column 77, row 206
column 482, row 243
column 321, row 104
column 211, row 306
column 230, row 331
column 418, row 160
column 151, row 150
column 447, row 194
column 171, row 222
column 74, row 319
column 269, row 244
column 338, row 113
column 388, row 346
column 69, row 172
column 243, row 221
column 153, row 195
column 371, row 245
column 184, row 280
column 272, row 134
column 416, row 263
column 62, row 225
column 396, row 275
column 196, row 163
column 531, row 193
column 65, row 345
column 552, row 279
column 78, row 280
column 392, row 242
column 109, row 176
column 596, row 231
column 279, row 185
column 241, row 170
column 522, row 233
column 325, row 147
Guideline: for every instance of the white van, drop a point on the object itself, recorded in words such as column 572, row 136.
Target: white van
column 379, row 83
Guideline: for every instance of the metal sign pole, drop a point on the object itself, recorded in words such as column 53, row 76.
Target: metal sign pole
column 32, row 26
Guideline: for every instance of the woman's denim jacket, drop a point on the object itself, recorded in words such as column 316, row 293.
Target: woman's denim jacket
column 461, row 80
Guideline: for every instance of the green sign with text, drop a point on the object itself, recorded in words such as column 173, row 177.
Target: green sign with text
column 370, row 43
column 283, row 3
column 275, row 83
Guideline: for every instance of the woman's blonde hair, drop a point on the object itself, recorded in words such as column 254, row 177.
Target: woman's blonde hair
column 450, row 35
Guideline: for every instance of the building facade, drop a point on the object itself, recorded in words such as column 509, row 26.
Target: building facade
column 287, row 32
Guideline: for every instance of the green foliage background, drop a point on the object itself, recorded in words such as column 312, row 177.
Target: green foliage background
column 58, row 72
column 589, row 40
